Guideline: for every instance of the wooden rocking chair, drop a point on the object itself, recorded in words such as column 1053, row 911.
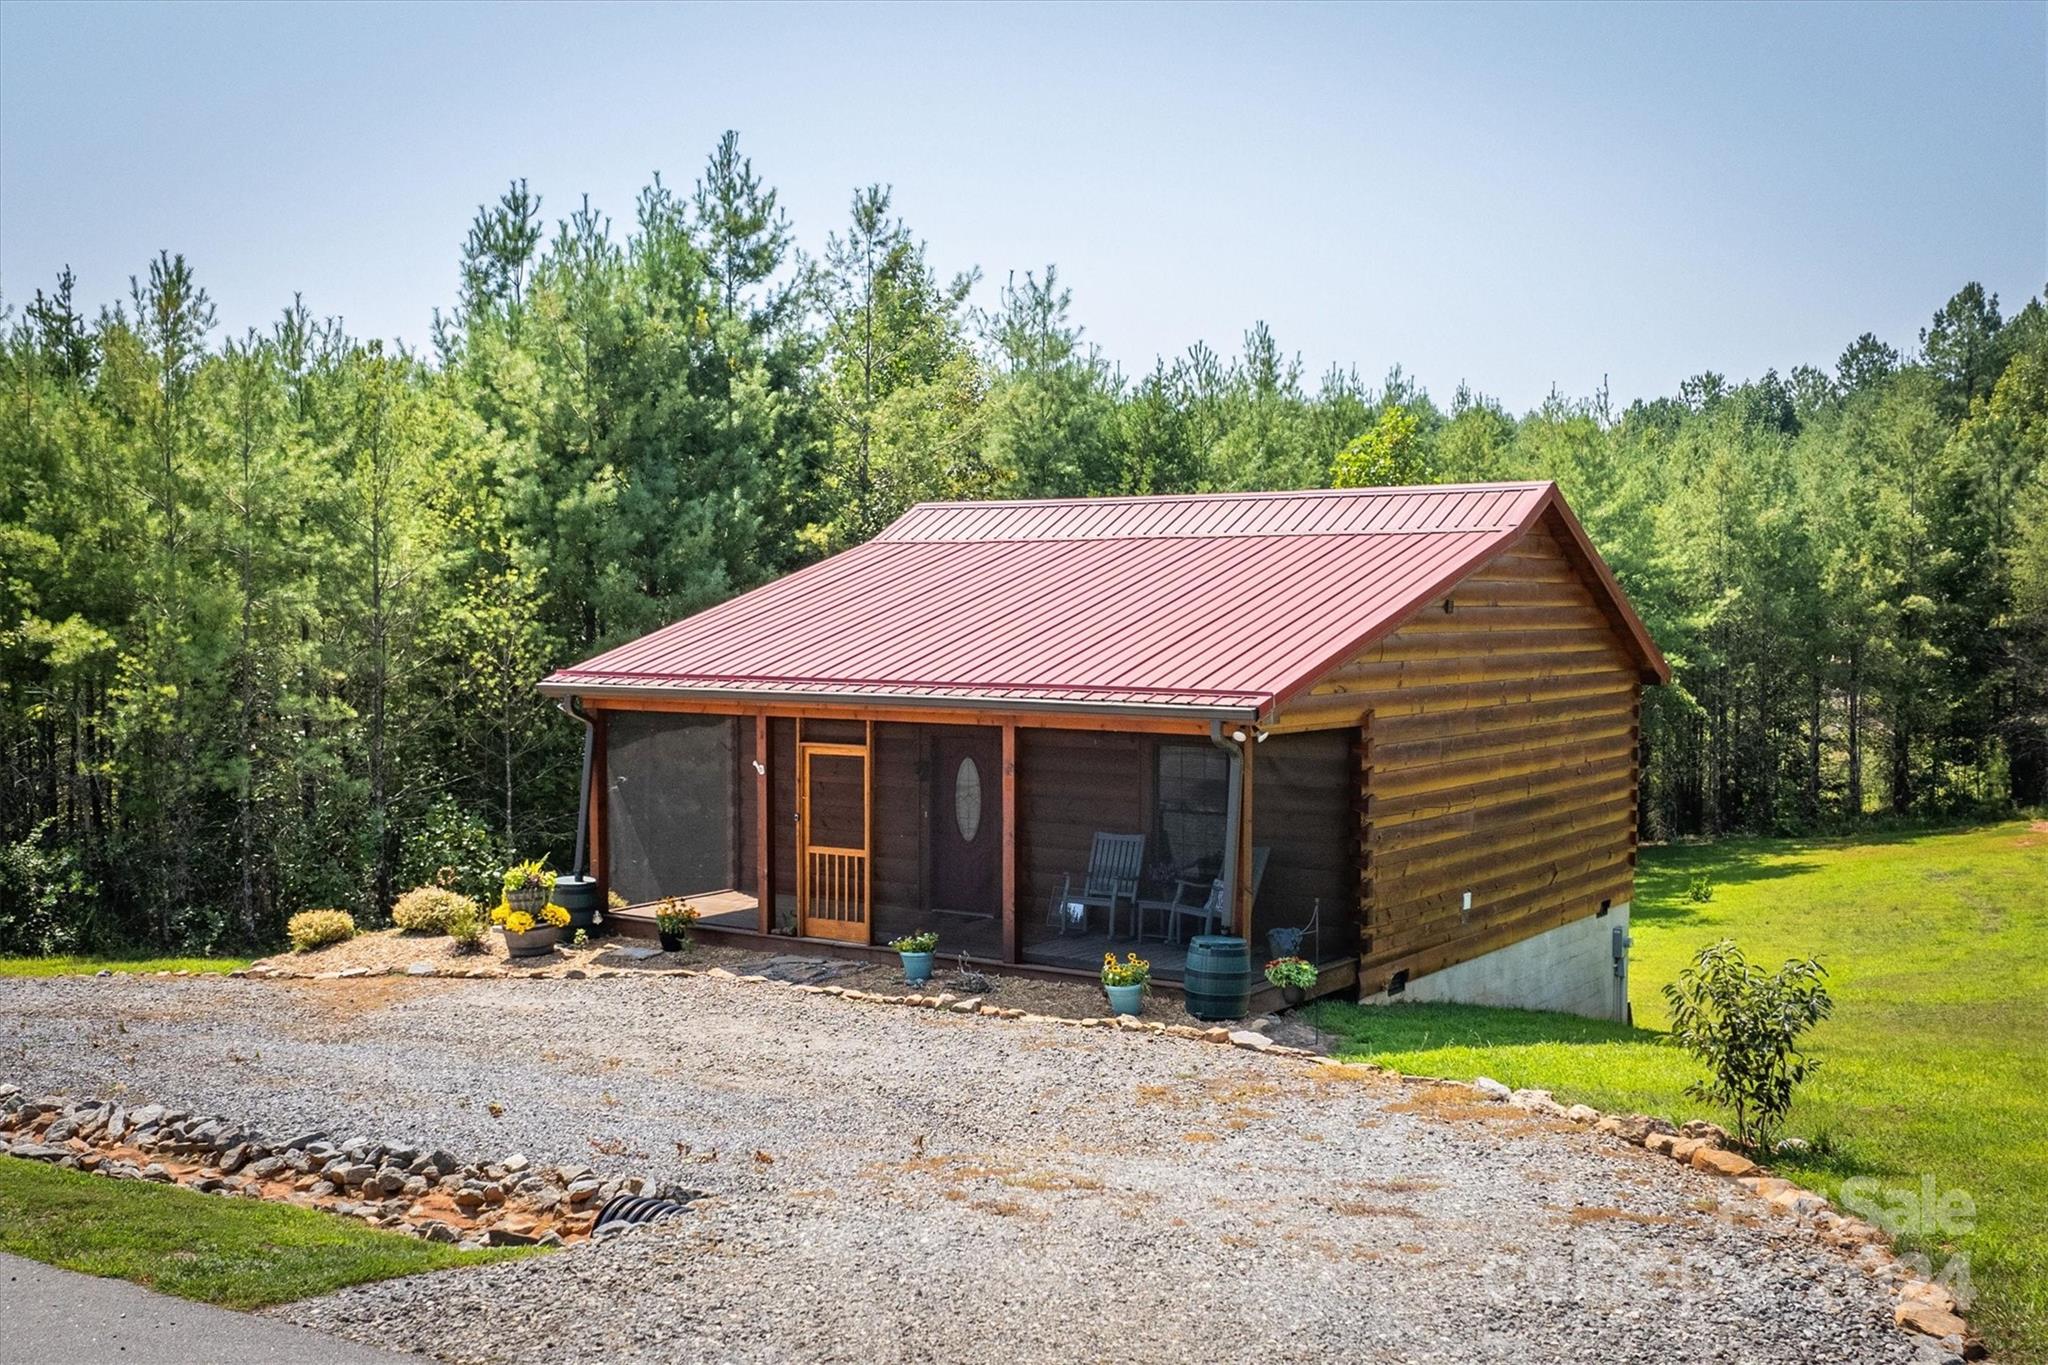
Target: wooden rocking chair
column 1114, row 866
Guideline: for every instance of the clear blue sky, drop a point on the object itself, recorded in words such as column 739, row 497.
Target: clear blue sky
column 1518, row 197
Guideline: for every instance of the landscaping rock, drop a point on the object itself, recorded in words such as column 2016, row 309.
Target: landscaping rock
column 1712, row 1133
column 1916, row 1315
column 1718, row 1162
column 1492, row 1089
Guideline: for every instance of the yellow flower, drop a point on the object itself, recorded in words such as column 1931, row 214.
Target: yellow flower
column 518, row 922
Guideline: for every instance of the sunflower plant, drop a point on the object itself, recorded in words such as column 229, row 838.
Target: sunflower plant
column 525, row 922
column 1132, row 971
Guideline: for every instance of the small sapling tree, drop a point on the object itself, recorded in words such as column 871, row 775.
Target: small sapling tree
column 1744, row 1025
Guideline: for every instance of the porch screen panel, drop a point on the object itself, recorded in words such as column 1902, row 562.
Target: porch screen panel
column 671, row 804
column 1303, row 787
column 1071, row 786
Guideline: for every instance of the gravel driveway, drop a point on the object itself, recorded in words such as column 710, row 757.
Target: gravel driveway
column 903, row 1185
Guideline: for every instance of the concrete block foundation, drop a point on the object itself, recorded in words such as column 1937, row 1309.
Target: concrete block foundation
column 1572, row 969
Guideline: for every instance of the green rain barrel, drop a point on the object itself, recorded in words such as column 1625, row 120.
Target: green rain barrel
column 1218, row 984
column 578, row 895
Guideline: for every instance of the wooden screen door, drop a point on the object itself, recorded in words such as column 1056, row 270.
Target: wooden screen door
column 833, row 818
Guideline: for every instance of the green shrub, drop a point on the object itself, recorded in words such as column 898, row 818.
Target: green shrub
column 1699, row 890
column 1744, row 1025
column 443, row 845
column 311, row 929
column 49, row 896
column 428, row 909
column 466, row 927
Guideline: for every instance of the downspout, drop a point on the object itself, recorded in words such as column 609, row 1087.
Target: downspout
column 1232, row 810
column 572, row 707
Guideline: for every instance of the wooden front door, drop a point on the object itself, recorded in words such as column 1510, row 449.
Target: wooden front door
column 967, row 820
column 833, row 820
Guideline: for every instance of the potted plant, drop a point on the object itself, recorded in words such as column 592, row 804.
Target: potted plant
column 527, row 886
column 1294, row 976
column 528, row 934
column 673, row 919
column 917, row 951
column 1124, row 982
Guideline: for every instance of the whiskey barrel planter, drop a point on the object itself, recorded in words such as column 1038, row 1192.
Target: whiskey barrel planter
column 534, row 942
column 1218, row 983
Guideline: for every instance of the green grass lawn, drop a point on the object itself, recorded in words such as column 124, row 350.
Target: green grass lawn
column 239, row 1253
column 89, row 966
column 1934, row 1066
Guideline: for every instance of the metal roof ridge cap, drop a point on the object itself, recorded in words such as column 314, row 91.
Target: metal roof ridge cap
column 1493, row 528
column 1129, row 498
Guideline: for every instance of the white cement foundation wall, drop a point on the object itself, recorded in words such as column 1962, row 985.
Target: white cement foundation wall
column 1570, row 969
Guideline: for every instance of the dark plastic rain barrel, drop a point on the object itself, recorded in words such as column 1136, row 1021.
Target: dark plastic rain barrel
column 578, row 895
column 1218, row 984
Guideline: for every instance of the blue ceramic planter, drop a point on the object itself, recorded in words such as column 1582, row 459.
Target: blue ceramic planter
column 1126, row 999
column 917, row 968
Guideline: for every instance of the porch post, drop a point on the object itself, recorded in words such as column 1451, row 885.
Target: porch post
column 1009, row 841
column 1241, row 894
column 764, row 851
column 600, row 855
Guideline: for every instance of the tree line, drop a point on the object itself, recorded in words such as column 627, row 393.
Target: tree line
column 272, row 607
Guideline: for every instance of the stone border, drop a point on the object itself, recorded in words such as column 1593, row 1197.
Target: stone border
column 426, row 1194
column 1923, row 1307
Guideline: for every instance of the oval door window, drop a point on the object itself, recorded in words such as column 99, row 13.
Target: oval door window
column 967, row 800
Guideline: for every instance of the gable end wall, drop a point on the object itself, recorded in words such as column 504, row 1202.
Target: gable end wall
column 1499, row 758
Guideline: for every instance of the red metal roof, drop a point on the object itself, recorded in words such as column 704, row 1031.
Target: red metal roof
column 1218, row 604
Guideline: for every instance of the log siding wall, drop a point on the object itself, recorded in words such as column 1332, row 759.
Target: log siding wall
column 1498, row 747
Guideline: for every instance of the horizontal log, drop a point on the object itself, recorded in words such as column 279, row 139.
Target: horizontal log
column 1424, row 909
column 1421, row 726
column 1565, row 755
column 1480, row 643
column 1497, row 606
column 1534, row 842
column 1390, row 757
column 1479, row 696
column 1604, row 778
column 1573, row 808
column 1405, row 675
column 1398, row 929
column 1532, row 568
column 1615, row 886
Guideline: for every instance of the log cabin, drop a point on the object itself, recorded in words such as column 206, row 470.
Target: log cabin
column 1392, row 730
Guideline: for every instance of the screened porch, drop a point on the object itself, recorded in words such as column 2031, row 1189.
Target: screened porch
column 876, row 829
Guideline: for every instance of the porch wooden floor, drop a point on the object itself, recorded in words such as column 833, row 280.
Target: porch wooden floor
column 1083, row 952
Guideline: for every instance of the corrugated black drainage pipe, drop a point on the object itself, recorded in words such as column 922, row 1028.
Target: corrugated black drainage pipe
column 636, row 1211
